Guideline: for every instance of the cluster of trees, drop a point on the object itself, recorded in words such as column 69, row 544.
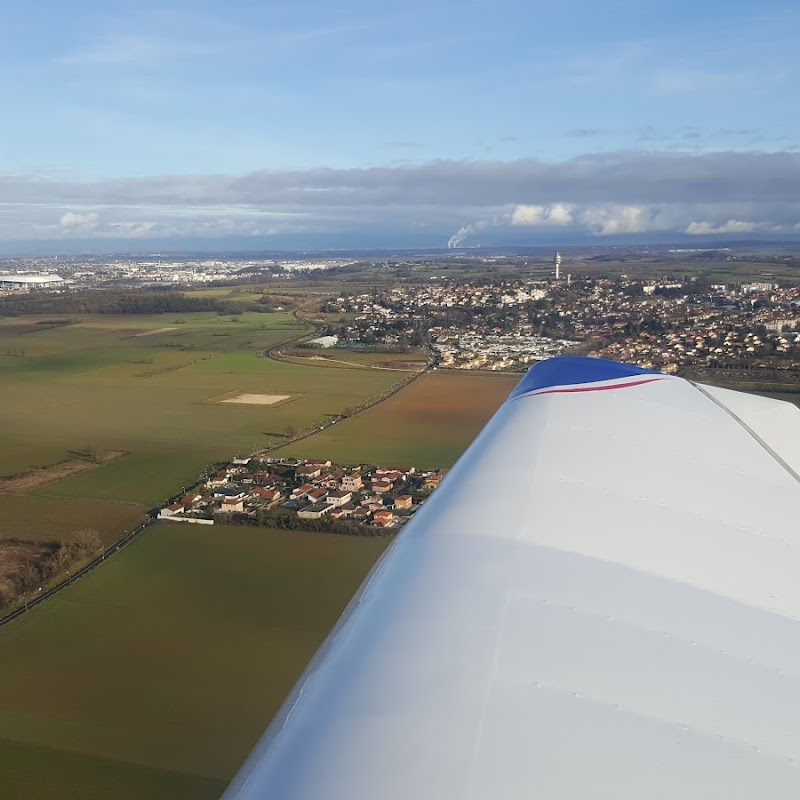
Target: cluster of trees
column 52, row 559
column 274, row 518
column 121, row 301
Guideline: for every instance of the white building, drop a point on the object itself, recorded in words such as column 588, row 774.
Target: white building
column 31, row 281
column 324, row 341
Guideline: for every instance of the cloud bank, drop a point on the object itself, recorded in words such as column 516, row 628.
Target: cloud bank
column 604, row 194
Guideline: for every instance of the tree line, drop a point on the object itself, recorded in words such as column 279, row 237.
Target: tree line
column 272, row 518
column 121, row 301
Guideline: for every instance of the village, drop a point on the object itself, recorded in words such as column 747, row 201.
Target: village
column 667, row 323
column 289, row 492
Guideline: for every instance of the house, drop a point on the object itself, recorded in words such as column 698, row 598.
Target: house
column 327, row 479
column 315, row 512
column 231, row 504
column 384, row 518
column 172, row 510
column 317, row 495
column 217, row 481
column 361, row 513
column 351, row 483
column 380, row 486
column 301, row 491
column 309, row 472
column 433, row 480
column 405, row 471
column 403, row 501
column 233, row 491
column 339, row 498
column 318, row 462
column 390, row 475
column 268, row 496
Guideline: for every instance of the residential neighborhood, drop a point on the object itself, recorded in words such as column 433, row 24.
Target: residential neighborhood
column 279, row 489
column 665, row 322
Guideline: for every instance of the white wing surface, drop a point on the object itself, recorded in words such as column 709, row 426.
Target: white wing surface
column 601, row 601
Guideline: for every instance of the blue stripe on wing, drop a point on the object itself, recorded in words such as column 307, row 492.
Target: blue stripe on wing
column 572, row 370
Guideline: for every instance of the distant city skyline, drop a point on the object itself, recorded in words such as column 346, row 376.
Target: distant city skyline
column 473, row 123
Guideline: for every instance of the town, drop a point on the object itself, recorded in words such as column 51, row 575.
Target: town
column 668, row 324
column 287, row 492
column 156, row 270
column 499, row 314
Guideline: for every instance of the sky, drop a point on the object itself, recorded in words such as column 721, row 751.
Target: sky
column 314, row 124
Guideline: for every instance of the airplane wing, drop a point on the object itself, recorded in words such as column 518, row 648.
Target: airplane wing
column 601, row 601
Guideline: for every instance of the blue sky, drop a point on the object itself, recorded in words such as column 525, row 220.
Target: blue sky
column 277, row 121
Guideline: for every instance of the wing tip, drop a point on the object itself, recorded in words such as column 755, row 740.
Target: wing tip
column 574, row 371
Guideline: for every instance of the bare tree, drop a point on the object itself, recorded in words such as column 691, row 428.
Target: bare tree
column 88, row 541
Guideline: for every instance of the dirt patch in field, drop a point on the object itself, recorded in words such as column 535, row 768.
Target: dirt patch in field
column 257, row 399
column 153, row 333
column 34, row 478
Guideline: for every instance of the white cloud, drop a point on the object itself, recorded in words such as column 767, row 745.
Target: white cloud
column 560, row 214
column 528, row 215
column 731, row 226
column 602, row 194
column 612, row 219
column 556, row 214
column 136, row 230
column 72, row 221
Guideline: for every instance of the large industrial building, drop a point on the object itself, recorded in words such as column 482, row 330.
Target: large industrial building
column 31, row 282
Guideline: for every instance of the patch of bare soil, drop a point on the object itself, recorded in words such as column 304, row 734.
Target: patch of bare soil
column 257, row 399
column 155, row 332
column 41, row 476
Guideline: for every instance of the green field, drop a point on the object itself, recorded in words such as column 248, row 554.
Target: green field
column 428, row 424
column 98, row 383
column 56, row 518
column 155, row 675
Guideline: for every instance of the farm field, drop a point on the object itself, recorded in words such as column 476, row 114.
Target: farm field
column 428, row 424
column 152, row 387
column 154, row 676
column 413, row 361
column 57, row 518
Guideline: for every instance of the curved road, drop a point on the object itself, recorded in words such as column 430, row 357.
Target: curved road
column 273, row 353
